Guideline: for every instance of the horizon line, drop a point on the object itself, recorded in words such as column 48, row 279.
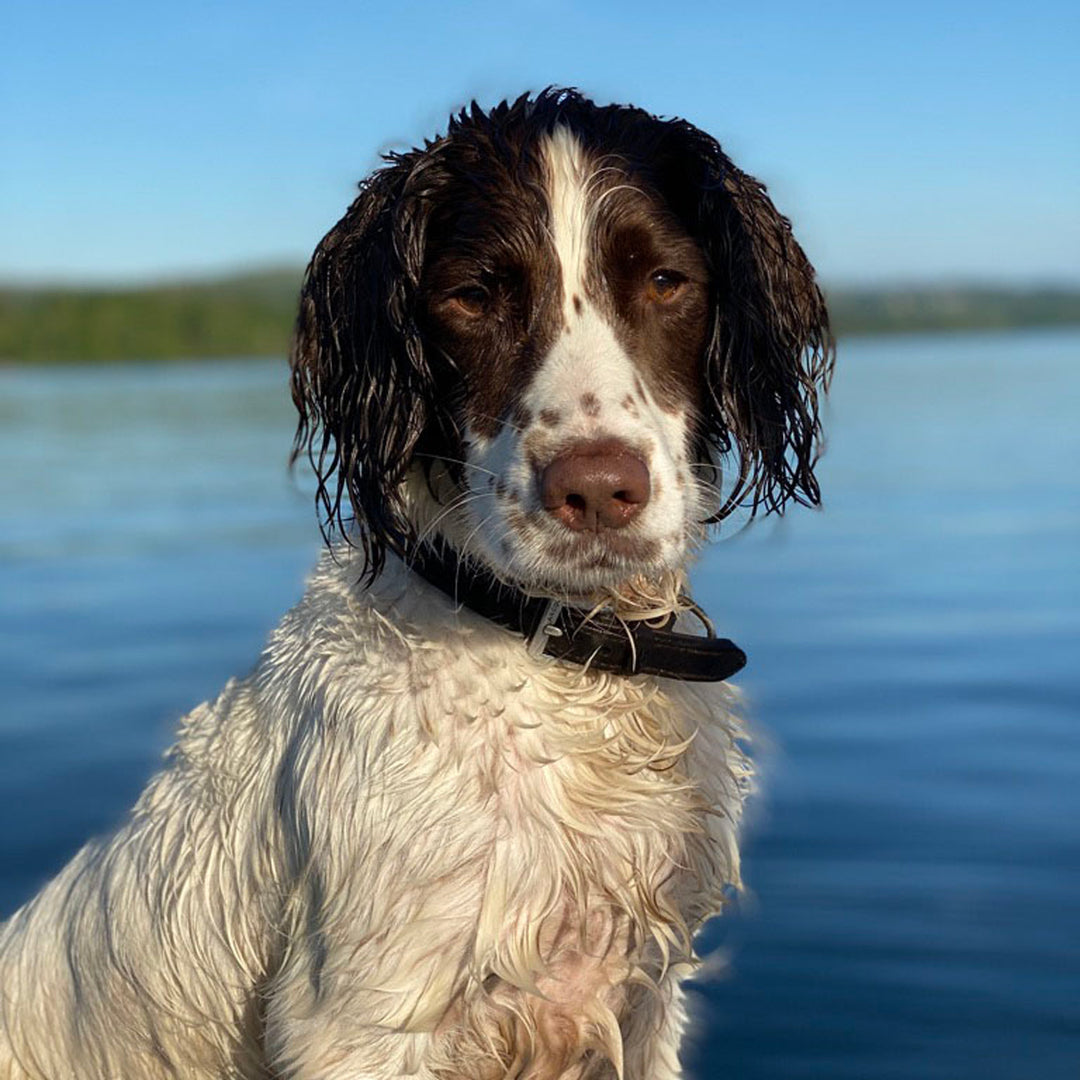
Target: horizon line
column 209, row 275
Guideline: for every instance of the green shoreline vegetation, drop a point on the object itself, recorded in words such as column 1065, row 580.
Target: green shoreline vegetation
column 251, row 314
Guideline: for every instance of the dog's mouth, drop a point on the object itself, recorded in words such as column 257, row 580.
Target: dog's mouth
column 623, row 571
column 604, row 549
column 583, row 561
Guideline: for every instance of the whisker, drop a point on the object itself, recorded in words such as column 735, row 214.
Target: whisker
column 501, row 421
column 465, row 550
column 457, row 461
column 462, row 500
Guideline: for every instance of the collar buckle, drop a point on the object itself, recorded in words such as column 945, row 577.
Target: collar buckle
column 547, row 627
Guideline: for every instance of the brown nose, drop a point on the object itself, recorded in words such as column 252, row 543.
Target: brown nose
column 600, row 485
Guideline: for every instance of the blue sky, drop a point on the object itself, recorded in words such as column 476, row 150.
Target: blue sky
column 907, row 141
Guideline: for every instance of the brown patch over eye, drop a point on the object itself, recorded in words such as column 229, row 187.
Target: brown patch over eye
column 664, row 286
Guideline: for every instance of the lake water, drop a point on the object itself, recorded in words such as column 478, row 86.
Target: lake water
column 914, row 860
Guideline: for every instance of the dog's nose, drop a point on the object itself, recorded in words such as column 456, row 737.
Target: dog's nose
column 598, row 485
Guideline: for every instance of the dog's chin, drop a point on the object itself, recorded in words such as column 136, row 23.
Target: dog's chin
column 588, row 565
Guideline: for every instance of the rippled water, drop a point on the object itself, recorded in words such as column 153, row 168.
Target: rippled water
column 914, row 861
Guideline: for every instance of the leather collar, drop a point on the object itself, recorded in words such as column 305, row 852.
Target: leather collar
column 574, row 635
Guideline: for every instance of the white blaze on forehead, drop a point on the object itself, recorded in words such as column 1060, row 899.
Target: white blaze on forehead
column 588, row 359
column 567, row 182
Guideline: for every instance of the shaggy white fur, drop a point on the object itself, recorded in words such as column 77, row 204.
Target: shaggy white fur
column 399, row 847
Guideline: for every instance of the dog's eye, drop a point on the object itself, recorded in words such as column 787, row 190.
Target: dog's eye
column 665, row 285
column 472, row 300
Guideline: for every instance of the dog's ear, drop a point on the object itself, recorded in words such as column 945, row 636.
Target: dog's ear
column 770, row 352
column 360, row 380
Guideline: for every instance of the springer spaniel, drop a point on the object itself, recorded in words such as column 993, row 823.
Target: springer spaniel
column 482, row 787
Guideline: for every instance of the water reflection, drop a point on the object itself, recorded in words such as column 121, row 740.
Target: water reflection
column 915, row 862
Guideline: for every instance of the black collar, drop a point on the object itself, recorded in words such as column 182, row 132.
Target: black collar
column 571, row 634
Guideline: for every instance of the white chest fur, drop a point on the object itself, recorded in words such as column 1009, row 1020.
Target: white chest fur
column 475, row 817
column 399, row 846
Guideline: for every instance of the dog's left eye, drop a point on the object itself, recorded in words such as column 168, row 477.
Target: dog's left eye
column 665, row 285
column 472, row 300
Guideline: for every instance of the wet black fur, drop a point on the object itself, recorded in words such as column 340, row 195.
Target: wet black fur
column 373, row 397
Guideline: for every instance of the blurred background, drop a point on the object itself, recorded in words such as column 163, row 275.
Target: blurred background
column 913, row 859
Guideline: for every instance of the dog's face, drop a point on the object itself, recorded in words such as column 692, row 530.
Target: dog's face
column 539, row 337
column 575, row 306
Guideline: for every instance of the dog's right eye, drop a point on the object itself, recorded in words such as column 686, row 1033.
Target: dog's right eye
column 665, row 285
column 472, row 300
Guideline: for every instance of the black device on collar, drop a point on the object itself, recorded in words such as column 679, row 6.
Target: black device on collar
column 575, row 635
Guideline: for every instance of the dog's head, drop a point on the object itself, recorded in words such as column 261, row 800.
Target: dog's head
column 547, row 334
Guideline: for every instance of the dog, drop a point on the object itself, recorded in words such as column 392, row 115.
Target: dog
column 465, row 815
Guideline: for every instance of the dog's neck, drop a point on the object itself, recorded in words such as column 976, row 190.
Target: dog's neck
column 597, row 637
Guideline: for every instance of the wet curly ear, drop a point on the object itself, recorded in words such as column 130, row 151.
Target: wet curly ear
column 363, row 387
column 770, row 352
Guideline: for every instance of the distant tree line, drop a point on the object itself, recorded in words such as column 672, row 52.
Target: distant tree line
column 252, row 315
column 908, row 309
column 248, row 315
